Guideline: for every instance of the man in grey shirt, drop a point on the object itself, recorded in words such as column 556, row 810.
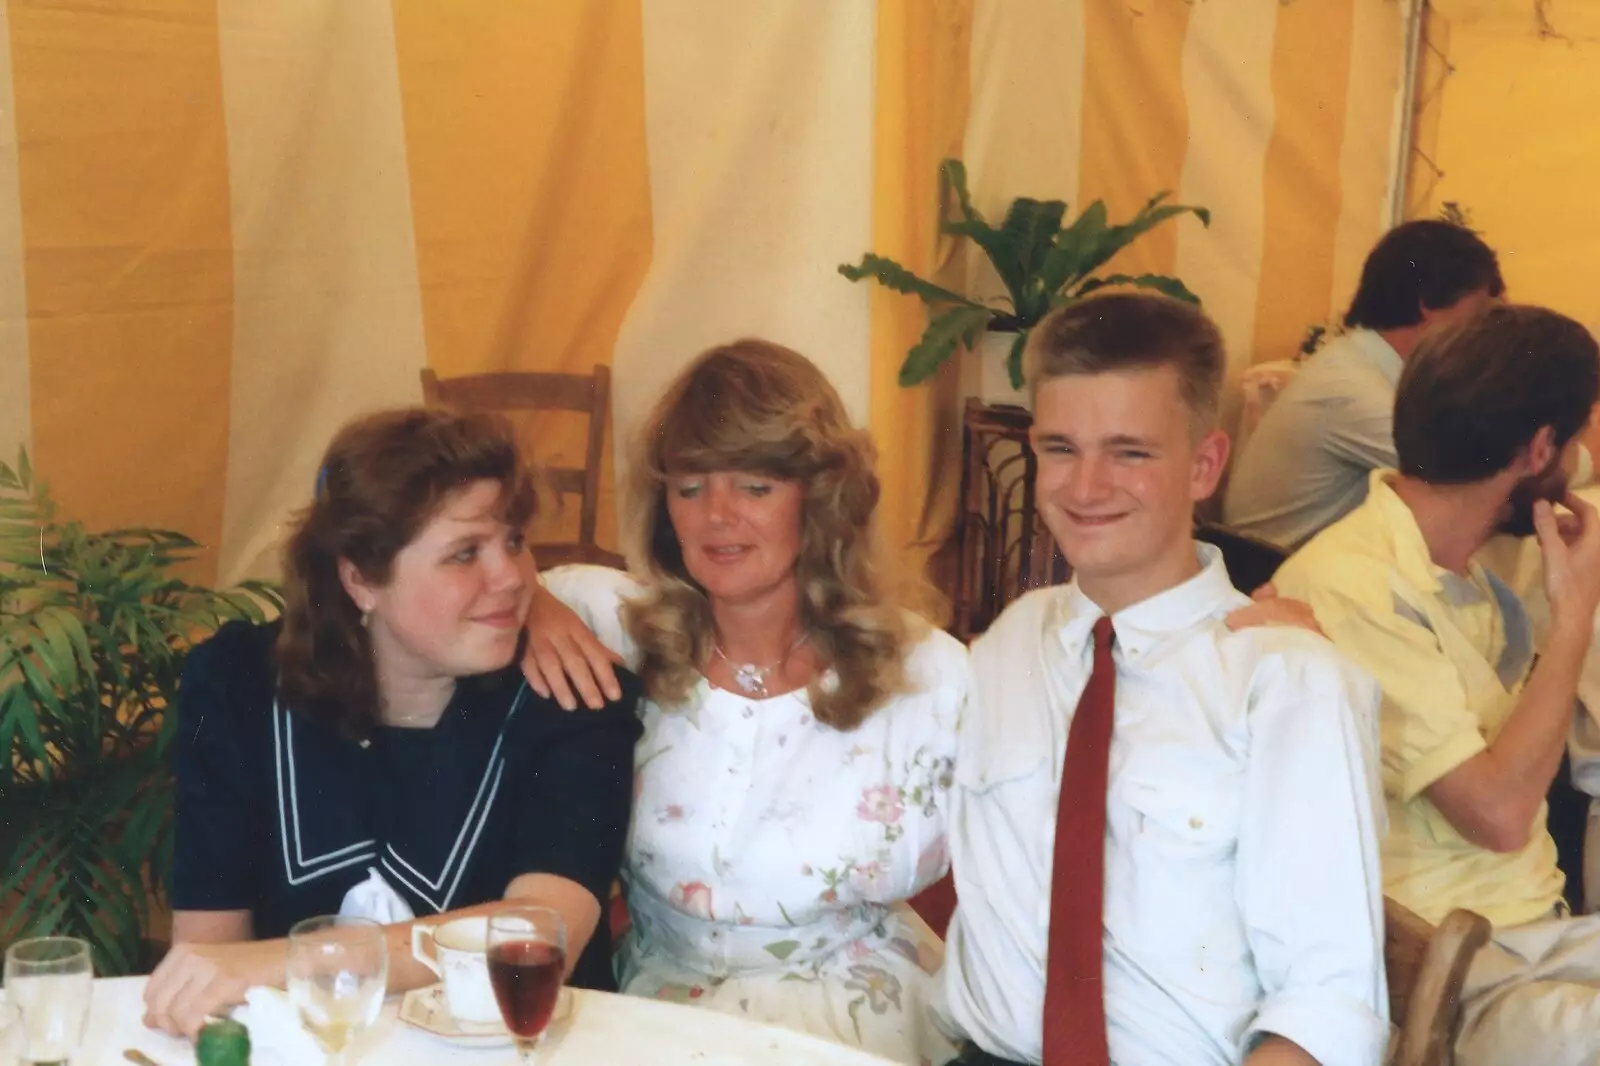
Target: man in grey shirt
column 1307, row 463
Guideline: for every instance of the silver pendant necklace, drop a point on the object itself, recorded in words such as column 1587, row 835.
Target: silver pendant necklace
column 752, row 677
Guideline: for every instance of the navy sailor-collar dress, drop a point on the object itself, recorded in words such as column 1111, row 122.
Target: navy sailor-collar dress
column 281, row 815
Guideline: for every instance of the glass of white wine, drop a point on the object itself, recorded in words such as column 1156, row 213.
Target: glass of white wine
column 50, row 980
column 338, row 971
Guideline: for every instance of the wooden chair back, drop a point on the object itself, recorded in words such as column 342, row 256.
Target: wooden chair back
column 1427, row 966
column 1250, row 561
column 512, row 391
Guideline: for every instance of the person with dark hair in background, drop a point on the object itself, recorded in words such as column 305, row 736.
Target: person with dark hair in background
column 1473, row 728
column 376, row 751
column 1306, row 465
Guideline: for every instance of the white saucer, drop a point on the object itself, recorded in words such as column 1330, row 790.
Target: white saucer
column 426, row 1009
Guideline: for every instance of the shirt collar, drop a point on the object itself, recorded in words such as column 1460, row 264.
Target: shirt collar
column 1416, row 567
column 1412, row 558
column 1210, row 593
column 1379, row 352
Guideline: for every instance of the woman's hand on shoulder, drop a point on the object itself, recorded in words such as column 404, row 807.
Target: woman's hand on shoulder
column 197, row 981
column 563, row 658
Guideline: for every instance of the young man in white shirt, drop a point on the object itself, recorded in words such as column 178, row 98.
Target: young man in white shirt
column 1234, row 804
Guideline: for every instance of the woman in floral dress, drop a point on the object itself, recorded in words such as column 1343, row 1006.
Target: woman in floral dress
column 793, row 776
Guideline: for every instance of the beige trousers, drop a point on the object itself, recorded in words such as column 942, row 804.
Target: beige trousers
column 1533, row 996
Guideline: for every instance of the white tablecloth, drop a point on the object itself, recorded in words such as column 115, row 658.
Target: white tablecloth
column 604, row 1030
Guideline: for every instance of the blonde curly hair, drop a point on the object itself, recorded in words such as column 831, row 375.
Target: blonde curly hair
column 757, row 406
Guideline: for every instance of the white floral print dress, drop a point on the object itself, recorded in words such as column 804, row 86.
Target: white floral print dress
column 770, row 856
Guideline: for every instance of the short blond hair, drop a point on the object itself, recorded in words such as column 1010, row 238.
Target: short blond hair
column 1128, row 331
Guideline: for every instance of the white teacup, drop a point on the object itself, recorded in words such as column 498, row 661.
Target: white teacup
column 459, row 958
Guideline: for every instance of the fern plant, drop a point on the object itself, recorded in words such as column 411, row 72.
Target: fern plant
column 93, row 631
column 1042, row 263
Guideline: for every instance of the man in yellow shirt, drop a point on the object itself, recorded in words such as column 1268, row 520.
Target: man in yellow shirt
column 1472, row 732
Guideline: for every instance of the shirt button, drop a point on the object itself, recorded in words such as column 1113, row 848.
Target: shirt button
column 1196, row 823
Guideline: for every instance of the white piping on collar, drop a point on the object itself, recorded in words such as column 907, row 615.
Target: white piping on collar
column 455, row 864
column 288, row 790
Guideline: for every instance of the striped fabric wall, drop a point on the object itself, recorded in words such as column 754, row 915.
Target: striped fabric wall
column 1280, row 117
column 226, row 226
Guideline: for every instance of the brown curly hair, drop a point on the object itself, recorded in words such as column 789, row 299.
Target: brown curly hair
column 384, row 477
column 760, row 407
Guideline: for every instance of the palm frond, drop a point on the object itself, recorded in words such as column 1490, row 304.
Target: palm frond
column 1042, row 263
column 93, row 630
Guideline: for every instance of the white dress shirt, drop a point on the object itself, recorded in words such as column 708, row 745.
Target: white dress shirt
column 1243, row 894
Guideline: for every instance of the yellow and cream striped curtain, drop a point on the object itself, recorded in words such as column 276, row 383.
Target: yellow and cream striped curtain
column 226, row 226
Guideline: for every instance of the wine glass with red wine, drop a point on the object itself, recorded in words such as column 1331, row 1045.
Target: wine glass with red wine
column 527, row 965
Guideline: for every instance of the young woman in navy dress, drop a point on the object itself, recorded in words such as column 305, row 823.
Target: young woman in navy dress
column 377, row 749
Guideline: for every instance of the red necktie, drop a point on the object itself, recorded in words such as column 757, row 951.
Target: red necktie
column 1074, row 997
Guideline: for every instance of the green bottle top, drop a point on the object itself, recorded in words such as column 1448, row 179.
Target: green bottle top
column 223, row 1043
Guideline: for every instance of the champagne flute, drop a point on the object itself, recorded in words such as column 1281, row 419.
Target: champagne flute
column 50, row 980
column 338, row 972
column 527, row 965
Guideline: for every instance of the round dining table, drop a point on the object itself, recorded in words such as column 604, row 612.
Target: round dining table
column 599, row 1029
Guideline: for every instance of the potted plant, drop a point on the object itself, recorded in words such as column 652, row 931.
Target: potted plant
column 1318, row 334
column 1042, row 263
column 93, row 631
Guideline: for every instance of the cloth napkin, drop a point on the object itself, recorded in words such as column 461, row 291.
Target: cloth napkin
column 376, row 899
column 276, row 1036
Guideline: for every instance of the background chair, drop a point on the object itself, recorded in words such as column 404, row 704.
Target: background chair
column 1250, row 561
column 508, row 392
column 1427, row 966
column 1259, row 385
